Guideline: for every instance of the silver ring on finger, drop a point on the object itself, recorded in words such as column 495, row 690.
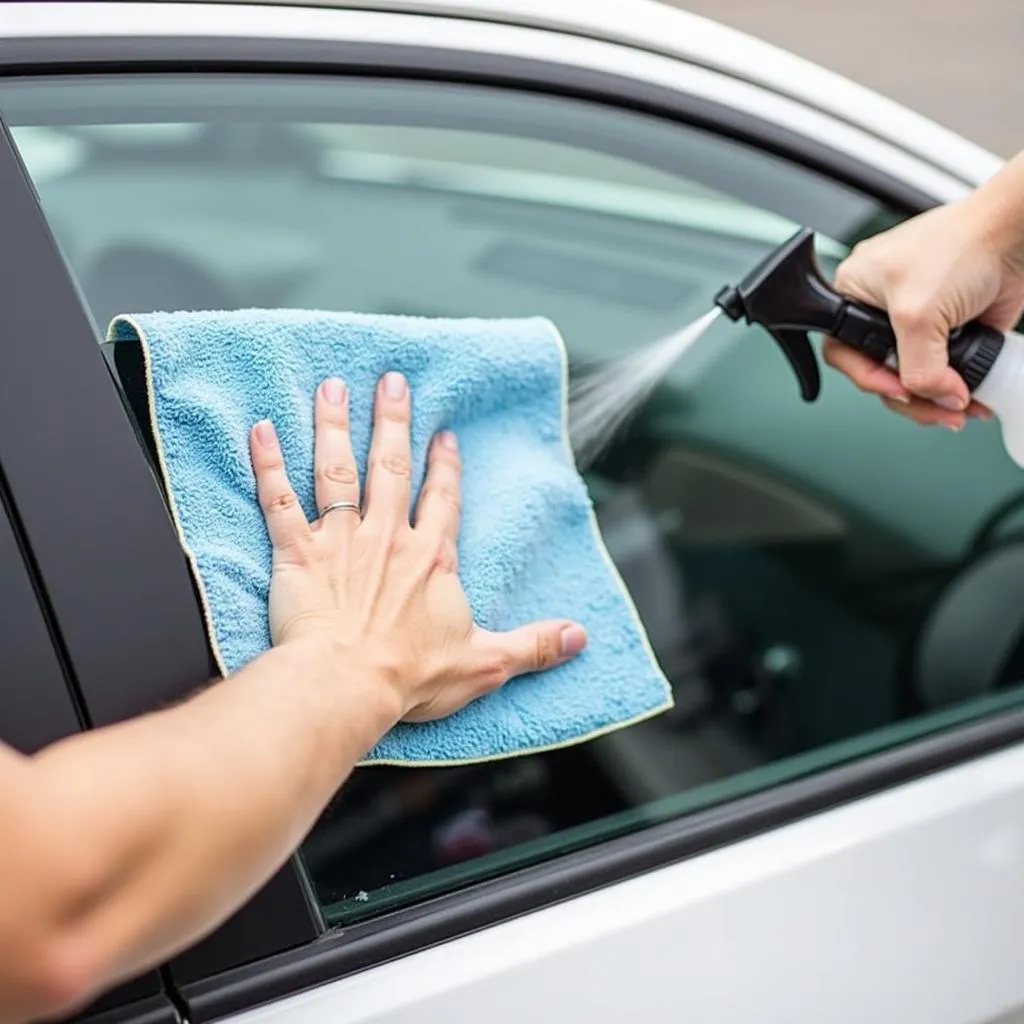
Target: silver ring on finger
column 341, row 506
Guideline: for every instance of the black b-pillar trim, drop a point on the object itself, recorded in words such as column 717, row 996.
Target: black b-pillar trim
column 104, row 548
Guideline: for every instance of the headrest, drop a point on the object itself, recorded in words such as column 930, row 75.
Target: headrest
column 973, row 629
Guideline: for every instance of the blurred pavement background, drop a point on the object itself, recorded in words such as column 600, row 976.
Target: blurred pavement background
column 960, row 62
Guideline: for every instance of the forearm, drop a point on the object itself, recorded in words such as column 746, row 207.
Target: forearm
column 999, row 209
column 147, row 834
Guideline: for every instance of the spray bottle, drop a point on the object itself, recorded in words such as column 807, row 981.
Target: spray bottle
column 788, row 295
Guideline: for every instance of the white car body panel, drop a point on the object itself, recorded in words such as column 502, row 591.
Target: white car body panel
column 904, row 907
column 907, row 906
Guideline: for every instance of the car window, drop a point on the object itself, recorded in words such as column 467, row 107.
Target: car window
column 802, row 570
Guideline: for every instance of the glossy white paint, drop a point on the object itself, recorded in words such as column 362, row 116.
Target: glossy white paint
column 903, row 908
column 885, row 146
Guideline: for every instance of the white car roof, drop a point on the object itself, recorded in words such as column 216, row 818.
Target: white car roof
column 659, row 28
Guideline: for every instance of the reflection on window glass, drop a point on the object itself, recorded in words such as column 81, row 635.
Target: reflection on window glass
column 790, row 562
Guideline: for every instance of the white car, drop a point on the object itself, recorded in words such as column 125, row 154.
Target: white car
column 829, row 827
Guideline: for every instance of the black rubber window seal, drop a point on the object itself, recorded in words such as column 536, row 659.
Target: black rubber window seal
column 153, row 55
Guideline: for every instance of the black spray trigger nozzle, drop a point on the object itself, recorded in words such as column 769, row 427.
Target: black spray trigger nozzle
column 787, row 294
column 796, row 347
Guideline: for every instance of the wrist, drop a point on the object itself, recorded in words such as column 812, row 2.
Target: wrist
column 996, row 211
column 357, row 691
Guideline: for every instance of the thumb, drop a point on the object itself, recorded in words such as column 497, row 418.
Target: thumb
column 922, row 340
column 536, row 647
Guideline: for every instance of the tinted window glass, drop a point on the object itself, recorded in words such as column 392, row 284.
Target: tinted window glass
column 790, row 561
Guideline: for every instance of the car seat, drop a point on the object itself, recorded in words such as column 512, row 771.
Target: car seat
column 970, row 641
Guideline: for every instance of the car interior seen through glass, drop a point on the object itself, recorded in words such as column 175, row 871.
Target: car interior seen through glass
column 806, row 573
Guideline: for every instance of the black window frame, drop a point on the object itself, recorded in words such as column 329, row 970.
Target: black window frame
column 228, row 973
column 37, row 703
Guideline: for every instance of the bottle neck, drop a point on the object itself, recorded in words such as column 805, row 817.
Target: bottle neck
column 1003, row 382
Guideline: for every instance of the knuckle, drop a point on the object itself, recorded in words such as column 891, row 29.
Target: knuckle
column 384, row 531
column 862, row 382
column 399, row 536
column 445, row 558
column 445, row 493
column 59, row 976
column 911, row 313
column 844, row 273
column 838, row 355
column 369, row 535
column 446, row 457
column 546, row 652
column 399, row 465
column 862, row 254
column 862, row 275
column 494, row 672
column 395, row 412
column 297, row 550
column 905, row 411
column 272, row 462
column 335, row 415
column 918, row 416
column 892, row 276
column 856, row 252
column 922, row 379
column 337, row 473
column 282, row 501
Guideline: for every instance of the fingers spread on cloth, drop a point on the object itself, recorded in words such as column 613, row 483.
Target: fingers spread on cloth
column 335, row 473
column 389, row 476
column 286, row 522
column 440, row 500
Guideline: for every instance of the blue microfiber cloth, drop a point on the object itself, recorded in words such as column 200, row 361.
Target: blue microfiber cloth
column 529, row 546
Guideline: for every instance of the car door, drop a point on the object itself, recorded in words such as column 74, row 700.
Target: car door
column 829, row 800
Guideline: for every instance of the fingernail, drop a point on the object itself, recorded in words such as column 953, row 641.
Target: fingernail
column 574, row 639
column 394, row 385
column 449, row 441
column 265, row 433
column 955, row 427
column 950, row 402
column 334, row 391
column 898, row 396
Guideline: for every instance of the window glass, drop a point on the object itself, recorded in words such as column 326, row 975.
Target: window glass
column 797, row 566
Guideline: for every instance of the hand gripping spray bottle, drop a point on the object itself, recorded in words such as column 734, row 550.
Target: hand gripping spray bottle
column 788, row 296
